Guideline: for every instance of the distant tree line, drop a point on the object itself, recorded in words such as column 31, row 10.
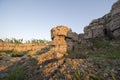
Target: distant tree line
column 19, row 41
column 13, row 40
column 37, row 41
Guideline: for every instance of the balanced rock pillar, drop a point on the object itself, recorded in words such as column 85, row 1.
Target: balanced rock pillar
column 58, row 35
column 59, row 44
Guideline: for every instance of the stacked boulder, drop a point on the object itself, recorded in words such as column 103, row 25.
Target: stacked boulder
column 58, row 35
column 59, row 44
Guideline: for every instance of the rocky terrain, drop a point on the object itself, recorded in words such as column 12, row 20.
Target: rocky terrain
column 93, row 55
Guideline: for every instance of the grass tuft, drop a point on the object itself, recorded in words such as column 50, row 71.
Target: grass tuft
column 16, row 73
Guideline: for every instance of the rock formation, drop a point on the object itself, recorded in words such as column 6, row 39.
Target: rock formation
column 95, row 29
column 59, row 45
column 64, row 40
column 58, row 35
column 114, row 25
column 107, row 26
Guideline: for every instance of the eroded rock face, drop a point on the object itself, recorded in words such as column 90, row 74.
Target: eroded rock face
column 114, row 24
column 65, row 40
column 95, row 29
column 106, row 26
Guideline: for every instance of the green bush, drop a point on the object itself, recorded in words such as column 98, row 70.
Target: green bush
column 102, row 43
column 43, row 50
column 94, row 77
column 14, row 40
column 39, row 41
column 1, row 58
column 79, row 75
column 89, row 52
column 16, row 73
column 6, row 51
column 109, row 53
column 114, row 53
column 18, row 54
column 1, row 40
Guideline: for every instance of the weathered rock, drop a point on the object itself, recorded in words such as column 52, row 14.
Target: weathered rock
column 81, row 37
column 116, row 33
column 70, row 44
column 73, row 35
column 59, row 31
column 58, row 35
column 59, row 49
column 72, row 39
column 95, row 29
column 106, row 26
column 115, row 20
column 115, row 8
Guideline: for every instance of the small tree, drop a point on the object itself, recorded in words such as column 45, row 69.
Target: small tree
column 1, row 40
column 7, row 40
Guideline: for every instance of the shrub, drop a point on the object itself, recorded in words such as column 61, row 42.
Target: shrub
column 1, row 40
column 1, row 58
column 79, row 75
column 43, row 50
column 18, row 54
column 114, row 53
column 6, row 51
column 102, row 43
column 76, row 55
column 16, row 73
column 14, row 40
column 94, row 77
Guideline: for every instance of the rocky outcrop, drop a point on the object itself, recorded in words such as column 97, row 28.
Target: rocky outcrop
column 107, row 26
column 59, row 44
column 64, row 40
column 114, row 24
column 58, row 35
column 95, row 29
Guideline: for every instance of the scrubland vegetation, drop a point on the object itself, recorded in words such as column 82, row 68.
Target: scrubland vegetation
column 20, row 41
column 99, row 61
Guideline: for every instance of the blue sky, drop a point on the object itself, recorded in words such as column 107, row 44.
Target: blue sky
column 30, row 19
